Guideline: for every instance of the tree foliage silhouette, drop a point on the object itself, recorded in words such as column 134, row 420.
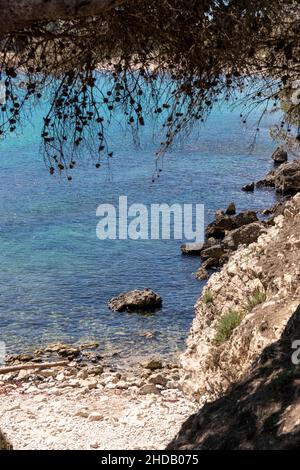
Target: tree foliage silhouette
column 167, row 58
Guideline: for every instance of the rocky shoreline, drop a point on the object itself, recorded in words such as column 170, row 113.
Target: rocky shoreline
column 81, row 405
column 93, row 402
column 230, row 229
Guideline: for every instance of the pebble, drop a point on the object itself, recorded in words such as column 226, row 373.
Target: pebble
column 84, row 413
column 149, row 388
column 94, row 445
column 95, row 416
column 158, row 379
column 153, row 364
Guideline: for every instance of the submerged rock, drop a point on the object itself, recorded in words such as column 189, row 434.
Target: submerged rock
column 249, row 188
column 280, row 156
column 201, row 274
column 154, row 364
column 69, row 353
column 63, row 350
column 135, row 301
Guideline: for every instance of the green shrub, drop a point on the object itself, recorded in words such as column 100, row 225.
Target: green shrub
column 226, row 325
column 258, row 297
column 207, row 297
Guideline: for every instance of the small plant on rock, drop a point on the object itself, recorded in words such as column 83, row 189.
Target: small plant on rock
column 258, row 297
column 227, row 323
column 207, row 297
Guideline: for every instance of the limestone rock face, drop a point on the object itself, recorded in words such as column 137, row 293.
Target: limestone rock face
column 260, row 282
column 287, row 178
column 215, row 251
column 260, row 412
column 201, row 274
column 244, row 235
column 135, row 301
column 268, row 181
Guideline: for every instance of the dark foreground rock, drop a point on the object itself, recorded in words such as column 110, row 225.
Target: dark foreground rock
column 249, row 188
column 225, row 223
column 261, row 412
column 280, row 156
column 135, row 301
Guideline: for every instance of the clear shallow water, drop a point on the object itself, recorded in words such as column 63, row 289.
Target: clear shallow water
column 56, row 276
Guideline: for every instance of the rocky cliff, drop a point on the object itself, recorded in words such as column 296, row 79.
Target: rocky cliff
column 260, row 412
column 245, row 308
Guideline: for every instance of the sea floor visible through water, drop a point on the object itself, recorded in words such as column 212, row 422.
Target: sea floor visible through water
column 56, row 275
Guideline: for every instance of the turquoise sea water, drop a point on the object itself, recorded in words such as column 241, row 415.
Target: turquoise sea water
column 56, row 276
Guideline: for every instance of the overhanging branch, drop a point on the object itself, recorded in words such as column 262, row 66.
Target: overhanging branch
column 17, row 14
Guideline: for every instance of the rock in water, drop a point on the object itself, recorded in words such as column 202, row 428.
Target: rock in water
column 280, row 156
column 211, row 263
column 202, row 274
column 192, row 249
column 225, row 223
column 249, row 188
column 135, row 301
column 268, row 181
column 285, row 179
column 231, row 209
column 215, row 251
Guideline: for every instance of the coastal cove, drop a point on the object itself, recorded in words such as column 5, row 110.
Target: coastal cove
column 57, row 276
